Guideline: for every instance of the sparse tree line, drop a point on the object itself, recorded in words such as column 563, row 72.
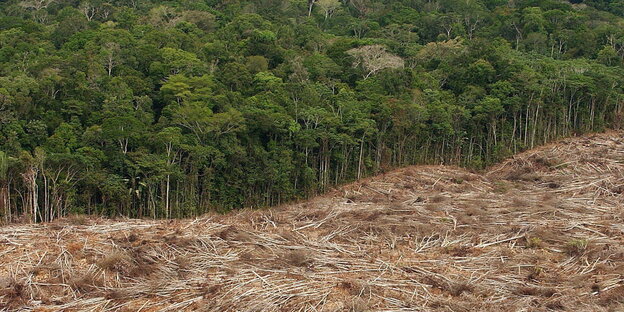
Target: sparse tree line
column 172, row 109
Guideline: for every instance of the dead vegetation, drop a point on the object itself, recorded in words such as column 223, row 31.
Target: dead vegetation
column 540, row 232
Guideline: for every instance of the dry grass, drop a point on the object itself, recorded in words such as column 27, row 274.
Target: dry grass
column 539, row 232
column 84, row 282
column 77, row 219
column 114, row 261
column 298, row 258
column 13, row 292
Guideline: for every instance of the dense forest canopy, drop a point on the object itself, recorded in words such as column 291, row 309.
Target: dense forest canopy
column 174, row 108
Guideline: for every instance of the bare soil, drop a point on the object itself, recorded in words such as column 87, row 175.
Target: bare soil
column 542, row 231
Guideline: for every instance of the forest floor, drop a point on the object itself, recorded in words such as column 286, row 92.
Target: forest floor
column 541, row 231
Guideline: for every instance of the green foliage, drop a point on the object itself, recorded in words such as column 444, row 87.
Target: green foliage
column 171, row 109
column 576, row 247
column 533, row 242
column 4, row 165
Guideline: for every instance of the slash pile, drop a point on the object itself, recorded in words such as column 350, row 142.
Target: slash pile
column 541, row 231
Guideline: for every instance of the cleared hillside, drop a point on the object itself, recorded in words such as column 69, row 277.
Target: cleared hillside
column 542, row 231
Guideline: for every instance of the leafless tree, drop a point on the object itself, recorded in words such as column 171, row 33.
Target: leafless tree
column 328, row 6
column 373, row 58
column 89, row 10
column 36, row 4
column 38, row 7
column 110, row 53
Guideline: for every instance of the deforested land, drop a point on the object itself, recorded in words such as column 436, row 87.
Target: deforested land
column 172, row 109
column 541, row 231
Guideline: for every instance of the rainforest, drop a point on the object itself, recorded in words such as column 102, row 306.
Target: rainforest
column 170, row 109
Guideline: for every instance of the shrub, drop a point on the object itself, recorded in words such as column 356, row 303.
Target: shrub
column 533, row 242
column 576, row 247
column 114, row 261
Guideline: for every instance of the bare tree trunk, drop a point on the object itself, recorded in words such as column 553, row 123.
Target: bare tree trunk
column 310, row 5
column 46, row 200
column 167, row 198
column 30, row 179
column 535, row 125
column 35, row 198
column 4, row 202
column 359, row 171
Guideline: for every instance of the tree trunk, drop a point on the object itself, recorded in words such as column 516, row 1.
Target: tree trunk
column 167, row 198
column 359, row 171
column 310, row 5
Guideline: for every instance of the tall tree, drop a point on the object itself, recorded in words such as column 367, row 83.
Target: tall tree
column 373, row 58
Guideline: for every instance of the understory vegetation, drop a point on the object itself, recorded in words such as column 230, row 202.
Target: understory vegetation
column 147, row 108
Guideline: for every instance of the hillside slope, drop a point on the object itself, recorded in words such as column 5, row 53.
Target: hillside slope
column 542, row 231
